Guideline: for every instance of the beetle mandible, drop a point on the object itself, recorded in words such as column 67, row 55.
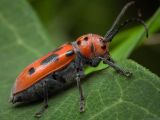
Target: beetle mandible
column 64, row 65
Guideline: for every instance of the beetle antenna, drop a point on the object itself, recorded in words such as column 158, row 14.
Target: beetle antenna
column 110, row 36
column 121, row 14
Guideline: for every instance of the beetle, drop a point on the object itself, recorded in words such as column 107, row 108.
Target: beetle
column 64, row 65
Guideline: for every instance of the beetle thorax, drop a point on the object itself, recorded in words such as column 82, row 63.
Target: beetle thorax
column 91, row 45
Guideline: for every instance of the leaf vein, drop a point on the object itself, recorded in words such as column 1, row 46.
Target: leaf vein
column 19, row 38
column 142, row 108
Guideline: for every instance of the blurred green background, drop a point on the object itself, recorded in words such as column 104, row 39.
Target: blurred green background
column 67, row 20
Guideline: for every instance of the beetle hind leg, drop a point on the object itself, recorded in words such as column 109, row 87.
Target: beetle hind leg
column 45, row 104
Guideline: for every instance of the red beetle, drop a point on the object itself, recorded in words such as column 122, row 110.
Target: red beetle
column 64, row 65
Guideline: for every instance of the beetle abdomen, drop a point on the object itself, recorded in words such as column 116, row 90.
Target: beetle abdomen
column 35, row 92
column 41, row 68
column 55, row 82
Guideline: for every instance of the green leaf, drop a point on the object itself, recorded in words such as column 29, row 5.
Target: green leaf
column 22, row 40
column 127, row 41
column 109, row 97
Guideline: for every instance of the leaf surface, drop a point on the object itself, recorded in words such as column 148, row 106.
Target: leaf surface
column 108, row 95
column 22, row 40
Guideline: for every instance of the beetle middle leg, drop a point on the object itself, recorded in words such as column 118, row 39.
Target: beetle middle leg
column 80, row 92
column 45, row 104
column 119, row 70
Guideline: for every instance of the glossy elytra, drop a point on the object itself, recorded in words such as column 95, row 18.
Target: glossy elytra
column 61, row 67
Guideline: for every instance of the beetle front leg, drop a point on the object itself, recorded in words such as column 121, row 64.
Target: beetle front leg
column 80, row 92
column 119, row 70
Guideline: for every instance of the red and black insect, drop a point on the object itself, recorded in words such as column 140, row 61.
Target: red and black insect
column 64, row 65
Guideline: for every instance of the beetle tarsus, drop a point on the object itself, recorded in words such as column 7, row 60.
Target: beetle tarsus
column 125, row 73
column 81, row 109
column 39, row 113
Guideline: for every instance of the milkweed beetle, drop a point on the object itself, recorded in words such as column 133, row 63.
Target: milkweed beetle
column 64, row 65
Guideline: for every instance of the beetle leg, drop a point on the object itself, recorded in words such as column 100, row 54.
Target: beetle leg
column 45, row 104
column 80, row 92
column 119, row 70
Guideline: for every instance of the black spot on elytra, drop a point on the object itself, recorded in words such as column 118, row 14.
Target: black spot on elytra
column 69, row 53
column 31, row 70
column 51, row 58
column 86, row 38
column 103, row 47
column 78, row 42
column 92, row 48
